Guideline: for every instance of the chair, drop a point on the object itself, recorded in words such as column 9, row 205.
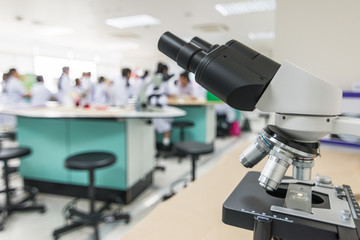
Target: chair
column 195, row 150
column 10, row 207
column 181, row 125
column 89, row 161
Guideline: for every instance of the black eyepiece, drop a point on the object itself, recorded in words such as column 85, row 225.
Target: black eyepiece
column 204, row 45
column 233, row 72
column 170, row 45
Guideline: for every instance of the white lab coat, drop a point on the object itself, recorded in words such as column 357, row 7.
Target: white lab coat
column 39, row 94
column 12, row 96
column 64, row 88
column 136, row 86
column 100, row 94
column 119, row 93
column 15, row 91
column 88, row 88
column 188, row 90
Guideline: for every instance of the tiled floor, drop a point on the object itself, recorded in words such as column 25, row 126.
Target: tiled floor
column 40, row 226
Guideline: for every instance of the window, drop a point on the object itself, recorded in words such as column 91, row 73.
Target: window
column 51, row 68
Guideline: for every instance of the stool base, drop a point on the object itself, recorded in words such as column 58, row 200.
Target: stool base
column 78, row 218
column 20, row 206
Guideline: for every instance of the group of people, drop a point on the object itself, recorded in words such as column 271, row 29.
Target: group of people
column 83, row 91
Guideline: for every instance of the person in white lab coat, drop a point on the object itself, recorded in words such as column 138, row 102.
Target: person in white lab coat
column 14, row 89
column 13, row 95
column 78, row 93
column 139, row 83
column 39, row 93
column 184, row 86
column 88, row 87
column 5, row 77
column 65, row 87
column 100, row 92
column 119, row 91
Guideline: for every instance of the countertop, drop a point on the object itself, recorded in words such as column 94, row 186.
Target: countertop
column 93, row 112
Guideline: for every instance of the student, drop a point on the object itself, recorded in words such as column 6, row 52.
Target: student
column 14, row 88
column 78, row 92
column 184, row 86
column 100, row 92
column 139, row 83
column 88, row 87
column 119, row 91
column 65, row 87
column 39, row 93
column 5, row 77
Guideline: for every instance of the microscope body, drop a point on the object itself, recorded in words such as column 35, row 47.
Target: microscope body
column 307, row 108
column 143, row 100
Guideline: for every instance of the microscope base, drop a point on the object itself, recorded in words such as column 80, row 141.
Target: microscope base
column 249, row 207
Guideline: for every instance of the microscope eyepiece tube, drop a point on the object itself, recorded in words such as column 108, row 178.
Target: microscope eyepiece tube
column 233, row 72
column 170, row 45
column 204, row 45
column 187, row 55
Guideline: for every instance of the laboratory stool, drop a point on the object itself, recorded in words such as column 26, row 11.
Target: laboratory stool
column 10, row 207
column 182, row 125
column 89, row 161
column 194, row 149
column 11, row 136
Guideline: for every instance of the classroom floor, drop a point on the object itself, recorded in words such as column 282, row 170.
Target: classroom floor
column 38, row 226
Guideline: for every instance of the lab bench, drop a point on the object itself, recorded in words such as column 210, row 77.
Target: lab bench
column 53, row 134
column 202, row 114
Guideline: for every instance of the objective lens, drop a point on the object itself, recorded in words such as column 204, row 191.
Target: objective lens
column 302, row 169
column 255, row 152
column 275, row 168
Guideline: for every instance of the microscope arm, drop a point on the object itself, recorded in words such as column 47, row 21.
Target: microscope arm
column 346, row 125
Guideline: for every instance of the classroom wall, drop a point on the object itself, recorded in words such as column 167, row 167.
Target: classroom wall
column 322, row 36
column 20, row 53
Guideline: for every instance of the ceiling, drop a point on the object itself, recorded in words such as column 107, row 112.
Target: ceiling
column 23, row 22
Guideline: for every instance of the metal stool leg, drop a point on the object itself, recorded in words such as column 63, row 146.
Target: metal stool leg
column 193, row 169
column 91, row 195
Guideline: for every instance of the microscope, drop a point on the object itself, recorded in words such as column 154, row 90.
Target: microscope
column 306, row 109
column 143, row 101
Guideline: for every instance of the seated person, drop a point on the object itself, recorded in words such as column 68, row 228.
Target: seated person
column 100, row 93
column 39, row 93
column 184, row 86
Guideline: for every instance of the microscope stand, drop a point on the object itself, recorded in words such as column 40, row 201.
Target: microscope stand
column 333, row 214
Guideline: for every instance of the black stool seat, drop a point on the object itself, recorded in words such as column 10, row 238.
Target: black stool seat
column 90, row 160
column 10, row 153
column 194, row 148
column 183, row 124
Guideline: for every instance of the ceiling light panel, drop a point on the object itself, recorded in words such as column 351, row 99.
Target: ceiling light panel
column 132, row 21
column 243, row 7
